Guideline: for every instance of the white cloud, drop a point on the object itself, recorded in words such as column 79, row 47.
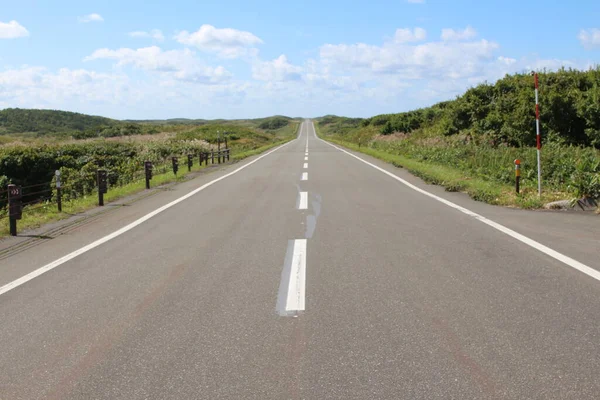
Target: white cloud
column 406, row 35
column 227, row 43
column 450, row 34
column 404, row 71
column 589, row 38
column 181, row 64
column 155, row 34
column 506, row 60
column 440, row 59
column 278, row 69
column 203, row 74
column 148, row 58
column 12, row 30
column 39, row 87
column 399, row 75
column 90, row 18
column 119, row 96
column 549, row 64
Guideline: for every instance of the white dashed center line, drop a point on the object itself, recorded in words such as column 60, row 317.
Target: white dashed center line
column 291, row 297
column 303, row 201
column 290, row 300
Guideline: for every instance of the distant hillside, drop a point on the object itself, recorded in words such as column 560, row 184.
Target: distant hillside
column 81, row 126
column 171, row 121
column 274, row 122
column 17, row 120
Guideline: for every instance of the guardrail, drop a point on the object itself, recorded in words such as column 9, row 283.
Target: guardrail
column 32, row 197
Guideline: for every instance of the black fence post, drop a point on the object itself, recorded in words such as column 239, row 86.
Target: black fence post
column 15, row 207
column 13, row 226
column 212, row 156
column 102, row 186
column 148, row 172
column 58, row 191
column 190, row 162
column 175, row 162
column 219, row 148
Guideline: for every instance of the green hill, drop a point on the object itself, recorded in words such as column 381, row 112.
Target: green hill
column 268, row 123
column 20, row 123
column 504, row 112
column 17, row 120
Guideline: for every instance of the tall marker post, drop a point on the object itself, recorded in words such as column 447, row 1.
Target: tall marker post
column 538, row 137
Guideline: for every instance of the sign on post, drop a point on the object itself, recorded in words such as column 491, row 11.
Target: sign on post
column 58, row 191
column 102, row 181
column 15, row 207
column 102, row 186
column 15, row 203
column 148, row 172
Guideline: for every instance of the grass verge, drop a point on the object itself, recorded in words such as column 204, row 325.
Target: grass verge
column 250, row 153
column 455, row 180
column 39, row 215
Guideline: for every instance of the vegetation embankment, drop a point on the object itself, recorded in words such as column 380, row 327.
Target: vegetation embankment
column 470, row 144
column 35, row 161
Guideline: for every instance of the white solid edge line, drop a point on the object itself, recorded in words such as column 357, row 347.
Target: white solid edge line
column 305, row 176
column 34, row 274
column 524, row 239
column 303, row 201
column 305, row 165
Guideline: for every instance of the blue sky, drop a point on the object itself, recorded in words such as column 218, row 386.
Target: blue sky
column 240, row 59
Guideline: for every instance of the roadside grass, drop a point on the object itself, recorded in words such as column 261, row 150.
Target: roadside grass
column 455, row 180
column 40, row 214
column 252, row 152
column 474, row 165
column 289, row 130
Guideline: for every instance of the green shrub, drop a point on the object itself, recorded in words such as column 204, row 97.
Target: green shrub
column 274, row 123
column 78, row 163
column 505, row 111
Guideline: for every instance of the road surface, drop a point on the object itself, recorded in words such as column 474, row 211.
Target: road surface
column 306, row 273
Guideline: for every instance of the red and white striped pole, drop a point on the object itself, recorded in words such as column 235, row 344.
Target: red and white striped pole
column 538, row 137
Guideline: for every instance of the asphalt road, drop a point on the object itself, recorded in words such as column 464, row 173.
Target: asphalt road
column 307, row 274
